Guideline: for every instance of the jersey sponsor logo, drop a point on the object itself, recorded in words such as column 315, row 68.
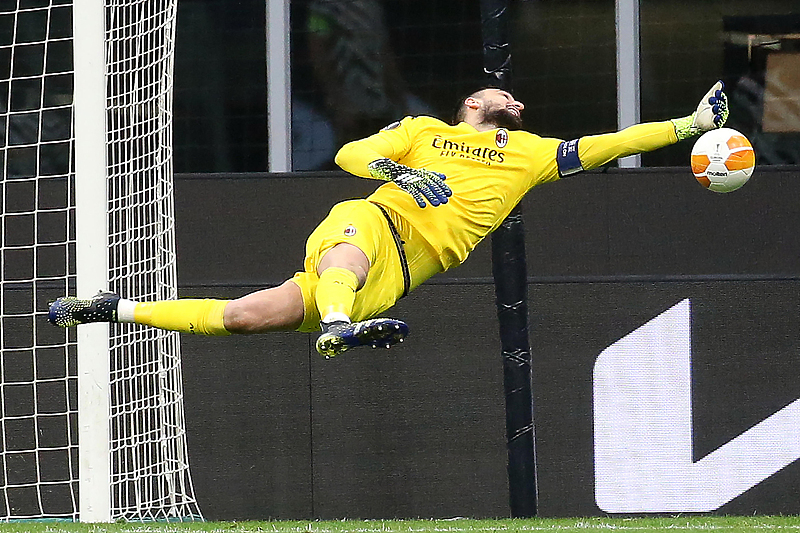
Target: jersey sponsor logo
column 485, row 154
column 393, row 125
column 501, row 138
column 349, row 231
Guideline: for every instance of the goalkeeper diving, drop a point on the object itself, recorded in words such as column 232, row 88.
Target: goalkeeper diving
column 446, row 188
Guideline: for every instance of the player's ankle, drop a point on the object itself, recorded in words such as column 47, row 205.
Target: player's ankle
column 330, row 318
column 125, row 311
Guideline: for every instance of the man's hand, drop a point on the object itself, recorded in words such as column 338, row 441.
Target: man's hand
column 712, row 112
column 420, row 183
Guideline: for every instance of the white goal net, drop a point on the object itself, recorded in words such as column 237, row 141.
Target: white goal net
column 39, row 417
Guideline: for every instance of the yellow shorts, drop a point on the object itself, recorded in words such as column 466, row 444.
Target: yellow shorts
column 361, row 223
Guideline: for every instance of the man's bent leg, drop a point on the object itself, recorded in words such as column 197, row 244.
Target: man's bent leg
column 347, row 250
column 336, row 293
column 342, row 271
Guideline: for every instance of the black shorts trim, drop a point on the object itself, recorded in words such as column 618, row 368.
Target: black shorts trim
column 401, row 252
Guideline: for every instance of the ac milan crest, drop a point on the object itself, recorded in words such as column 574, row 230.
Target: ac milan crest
column 501, row 138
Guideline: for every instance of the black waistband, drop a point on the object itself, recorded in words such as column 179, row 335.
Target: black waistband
column 400, row 250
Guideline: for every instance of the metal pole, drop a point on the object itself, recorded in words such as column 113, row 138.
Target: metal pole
column 628, row 77
column 510, row 278
column 279, row 87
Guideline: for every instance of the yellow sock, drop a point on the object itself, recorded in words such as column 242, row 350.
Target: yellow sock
column 336, row 291
column 203, row 317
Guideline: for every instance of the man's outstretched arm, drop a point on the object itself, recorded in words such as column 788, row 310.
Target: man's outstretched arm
column 596, row 150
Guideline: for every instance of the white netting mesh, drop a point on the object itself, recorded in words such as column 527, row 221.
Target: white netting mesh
column 38, row 453
column 38, row 369
column 150, row 472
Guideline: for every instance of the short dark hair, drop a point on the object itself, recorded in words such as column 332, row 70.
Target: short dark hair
column 460, row 111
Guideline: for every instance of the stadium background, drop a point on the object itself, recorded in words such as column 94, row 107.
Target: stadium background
column 276, row 432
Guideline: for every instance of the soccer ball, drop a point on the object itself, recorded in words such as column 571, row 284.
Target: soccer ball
column 723, row 160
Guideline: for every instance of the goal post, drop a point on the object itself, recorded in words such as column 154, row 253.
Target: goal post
column 91, row 257
column 91, row 419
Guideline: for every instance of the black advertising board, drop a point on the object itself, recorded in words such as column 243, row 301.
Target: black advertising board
column 667, row 397
column 664, row 328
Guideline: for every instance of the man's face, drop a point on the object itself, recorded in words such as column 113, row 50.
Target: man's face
column 501, row 109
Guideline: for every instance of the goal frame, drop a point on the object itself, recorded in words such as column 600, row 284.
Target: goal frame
column 91, row 256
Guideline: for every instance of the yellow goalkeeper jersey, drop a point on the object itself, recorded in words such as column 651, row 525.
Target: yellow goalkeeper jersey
column 488, row 171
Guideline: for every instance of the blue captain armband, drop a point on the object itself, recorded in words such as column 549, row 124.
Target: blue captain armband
column 567, row 158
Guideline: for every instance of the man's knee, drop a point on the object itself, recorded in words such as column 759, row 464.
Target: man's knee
column 349, row 256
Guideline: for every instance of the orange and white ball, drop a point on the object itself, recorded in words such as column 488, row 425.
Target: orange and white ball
column 723, row 160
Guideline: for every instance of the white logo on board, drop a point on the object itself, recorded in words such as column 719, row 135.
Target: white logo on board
column 643, row 429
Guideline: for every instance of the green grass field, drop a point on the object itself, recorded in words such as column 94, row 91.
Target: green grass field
column 566, row 525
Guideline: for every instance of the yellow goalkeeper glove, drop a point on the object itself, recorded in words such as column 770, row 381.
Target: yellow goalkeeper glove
column 712, row 112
